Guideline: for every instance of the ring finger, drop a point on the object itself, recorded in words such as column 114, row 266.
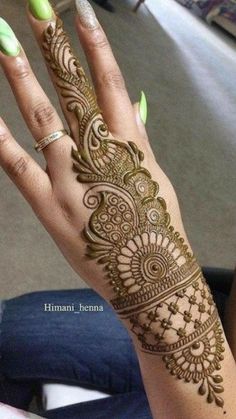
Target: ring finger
column 36, row 108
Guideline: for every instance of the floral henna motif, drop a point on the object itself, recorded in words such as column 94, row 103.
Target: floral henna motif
column 158, row 286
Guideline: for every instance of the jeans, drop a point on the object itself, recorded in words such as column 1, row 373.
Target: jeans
column 87, row 348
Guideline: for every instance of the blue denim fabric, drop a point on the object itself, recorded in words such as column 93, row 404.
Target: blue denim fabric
column 90, row 349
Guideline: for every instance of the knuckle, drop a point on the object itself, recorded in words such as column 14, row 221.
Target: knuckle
column 98, row 41
column 18, row 167
column 4, row 139
column 113, row 79
column 21, row 71
column 42, row 115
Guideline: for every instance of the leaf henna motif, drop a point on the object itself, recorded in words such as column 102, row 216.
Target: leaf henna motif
column 158, row 286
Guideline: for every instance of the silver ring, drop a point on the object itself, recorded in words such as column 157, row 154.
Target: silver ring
column 44, row 142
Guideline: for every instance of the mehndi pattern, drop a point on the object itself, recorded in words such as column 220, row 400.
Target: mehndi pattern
column 157, row 284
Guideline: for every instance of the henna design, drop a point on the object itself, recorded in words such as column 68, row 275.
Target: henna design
column 157, row 283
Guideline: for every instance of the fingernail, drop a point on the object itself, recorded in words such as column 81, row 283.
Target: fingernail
column 143, row 107
column 86, row 14
column 9, row 44
column 41, row 9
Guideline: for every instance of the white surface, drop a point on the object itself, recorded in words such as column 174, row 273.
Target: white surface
column 59, row 395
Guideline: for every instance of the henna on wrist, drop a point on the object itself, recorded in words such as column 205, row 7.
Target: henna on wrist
column 157, row 284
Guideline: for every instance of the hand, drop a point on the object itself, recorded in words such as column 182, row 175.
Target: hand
column 109, row 207
column 54, row 194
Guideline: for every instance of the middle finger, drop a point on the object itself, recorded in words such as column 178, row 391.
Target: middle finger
column 76, row 94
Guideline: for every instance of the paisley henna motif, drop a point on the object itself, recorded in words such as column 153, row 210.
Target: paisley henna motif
column 157, row 284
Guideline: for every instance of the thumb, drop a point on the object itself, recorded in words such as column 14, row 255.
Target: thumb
column 140, row 111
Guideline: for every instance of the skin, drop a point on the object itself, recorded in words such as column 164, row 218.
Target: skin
column 57, row 199
column 9, row 412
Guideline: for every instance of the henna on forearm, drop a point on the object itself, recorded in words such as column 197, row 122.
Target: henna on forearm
column 157, row 285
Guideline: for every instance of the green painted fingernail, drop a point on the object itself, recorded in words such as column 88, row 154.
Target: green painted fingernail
column 143, row 107
column 41, row 9
column 9, row 44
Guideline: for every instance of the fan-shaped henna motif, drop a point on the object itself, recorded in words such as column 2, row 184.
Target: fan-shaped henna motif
column 158, row 286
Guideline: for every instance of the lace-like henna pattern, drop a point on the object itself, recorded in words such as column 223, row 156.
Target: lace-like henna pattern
column 158, row 286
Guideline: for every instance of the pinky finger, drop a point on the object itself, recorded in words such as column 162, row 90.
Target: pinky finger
column 28, row 176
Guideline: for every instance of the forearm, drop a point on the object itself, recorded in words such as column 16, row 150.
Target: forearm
column 192, row 376
column 174, row 398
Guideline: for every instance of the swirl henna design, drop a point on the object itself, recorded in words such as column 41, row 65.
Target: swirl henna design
column 158, row 286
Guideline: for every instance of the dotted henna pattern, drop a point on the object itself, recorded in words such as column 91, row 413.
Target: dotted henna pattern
column 157, row 283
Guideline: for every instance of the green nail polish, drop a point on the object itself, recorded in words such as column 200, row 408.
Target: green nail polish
column 41, row 9
column 143, row 107
column 9, row 44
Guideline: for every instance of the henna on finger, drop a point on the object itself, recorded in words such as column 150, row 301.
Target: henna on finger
column 157, row 285
column 72, row 82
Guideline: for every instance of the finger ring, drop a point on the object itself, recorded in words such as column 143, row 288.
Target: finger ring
column 44, row 142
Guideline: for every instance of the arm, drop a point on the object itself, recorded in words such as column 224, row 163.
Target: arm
column 116, row 219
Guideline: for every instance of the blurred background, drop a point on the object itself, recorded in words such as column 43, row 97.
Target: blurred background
column 187, row 68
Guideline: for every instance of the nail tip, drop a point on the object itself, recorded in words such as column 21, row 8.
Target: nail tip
column 9, row 44
column 143, row 107
column 86, row 14
column 41, row 9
